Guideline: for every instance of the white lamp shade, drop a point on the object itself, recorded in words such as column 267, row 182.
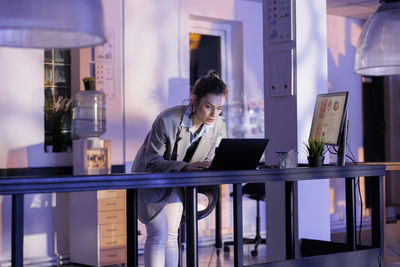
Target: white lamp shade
column 51, row 23
column 378, row 49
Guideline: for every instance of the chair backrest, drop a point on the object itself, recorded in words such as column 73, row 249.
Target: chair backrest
column 212, row 194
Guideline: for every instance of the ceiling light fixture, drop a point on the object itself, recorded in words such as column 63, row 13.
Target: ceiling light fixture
column 378, row 49
column 51, row 23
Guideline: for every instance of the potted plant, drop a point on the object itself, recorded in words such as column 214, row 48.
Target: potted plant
column 55, row 117
column 89, row 83
column 315, row 149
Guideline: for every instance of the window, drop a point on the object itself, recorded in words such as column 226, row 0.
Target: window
column 57, row 93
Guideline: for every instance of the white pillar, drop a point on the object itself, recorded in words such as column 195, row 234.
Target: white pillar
column 295, row 64
column 312, row 79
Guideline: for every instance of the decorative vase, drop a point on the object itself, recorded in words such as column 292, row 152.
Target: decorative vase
column 316, row 161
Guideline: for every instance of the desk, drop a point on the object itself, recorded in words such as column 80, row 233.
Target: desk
column 373, row 256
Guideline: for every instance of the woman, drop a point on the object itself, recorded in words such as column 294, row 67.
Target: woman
column 182, row 138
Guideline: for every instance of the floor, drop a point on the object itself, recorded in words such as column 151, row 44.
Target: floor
column 393, row 252
column 208, row 257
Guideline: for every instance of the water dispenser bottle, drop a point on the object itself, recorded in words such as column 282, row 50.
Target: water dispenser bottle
column 89, row 114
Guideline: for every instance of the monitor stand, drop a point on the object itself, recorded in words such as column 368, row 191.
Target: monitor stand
column 341, row 154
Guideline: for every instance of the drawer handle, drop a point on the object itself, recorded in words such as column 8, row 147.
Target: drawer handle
column 111, row 204
column 111, row 230
column 111, row 243
column 111, row 217
column 112, row 255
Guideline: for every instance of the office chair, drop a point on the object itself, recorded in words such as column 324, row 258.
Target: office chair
column 254, row 191
column 212, row 194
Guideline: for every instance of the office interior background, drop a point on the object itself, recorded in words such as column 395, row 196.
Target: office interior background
column 150, row 47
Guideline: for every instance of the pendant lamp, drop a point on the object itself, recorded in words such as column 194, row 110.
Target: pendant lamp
column 378, row 49
column 51, row 23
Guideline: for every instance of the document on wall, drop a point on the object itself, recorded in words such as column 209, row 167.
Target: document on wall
column 105, row 52
column 102, row 66
column 105, row 78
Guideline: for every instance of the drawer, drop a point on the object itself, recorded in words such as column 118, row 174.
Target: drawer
column 114, row 216
column 110, row 193
column 112, row 241
column 115, row 203
column 112, row 229
column 112, row 256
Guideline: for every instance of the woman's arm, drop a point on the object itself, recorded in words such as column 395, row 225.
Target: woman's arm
column 157, row 148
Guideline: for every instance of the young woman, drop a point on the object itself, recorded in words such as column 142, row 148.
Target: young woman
column 182, row 138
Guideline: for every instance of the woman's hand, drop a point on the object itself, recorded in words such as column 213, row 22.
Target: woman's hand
column 197, row 166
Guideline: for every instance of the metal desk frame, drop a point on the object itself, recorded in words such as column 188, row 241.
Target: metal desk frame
column 19, row 186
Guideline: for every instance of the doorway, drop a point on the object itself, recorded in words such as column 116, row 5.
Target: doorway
column 205, row 55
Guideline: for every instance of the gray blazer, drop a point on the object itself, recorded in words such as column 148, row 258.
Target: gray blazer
column 163, row 150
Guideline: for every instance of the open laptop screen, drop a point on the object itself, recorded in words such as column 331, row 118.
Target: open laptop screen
column 238, row 154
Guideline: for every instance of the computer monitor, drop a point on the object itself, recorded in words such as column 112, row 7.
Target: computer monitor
column 330, row 121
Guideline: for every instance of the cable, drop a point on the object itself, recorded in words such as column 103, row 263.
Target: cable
column 352, row 158
column 355, row 162
column 357, row 185
column 334, row 153
column 361, row 210
column 348, row 146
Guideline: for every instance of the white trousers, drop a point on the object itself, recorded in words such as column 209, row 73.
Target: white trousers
column 161, row 246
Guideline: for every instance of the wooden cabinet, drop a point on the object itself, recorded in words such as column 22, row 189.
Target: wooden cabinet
column 98, row 227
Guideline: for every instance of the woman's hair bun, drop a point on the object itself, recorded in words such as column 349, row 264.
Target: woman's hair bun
column 210, row 83
column 213, row 73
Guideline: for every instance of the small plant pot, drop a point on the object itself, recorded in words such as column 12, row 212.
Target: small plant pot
column 89, row 86
column 317, row 161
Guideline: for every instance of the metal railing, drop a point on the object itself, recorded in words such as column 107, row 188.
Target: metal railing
column 19, row 186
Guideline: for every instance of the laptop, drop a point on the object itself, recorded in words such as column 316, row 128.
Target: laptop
column 238, row 154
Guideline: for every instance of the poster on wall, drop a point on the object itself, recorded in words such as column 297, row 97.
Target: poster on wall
column 102, row 67
column 105, row 52
column 104, row 73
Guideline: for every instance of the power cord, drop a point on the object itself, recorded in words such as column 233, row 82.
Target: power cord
column 334, row 153
column 357, row 184
column 351, row 152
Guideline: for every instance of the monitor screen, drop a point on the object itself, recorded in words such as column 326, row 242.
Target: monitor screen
column 328, row 117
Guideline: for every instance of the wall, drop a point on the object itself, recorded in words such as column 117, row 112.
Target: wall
column 288, row 122
column 113, row 22
column 152, row 56
column 21, row 112
column 21, row 109
column 312, row 79
column 165, row 55
column 342, row 42
column 21, row 144
column 157, row 51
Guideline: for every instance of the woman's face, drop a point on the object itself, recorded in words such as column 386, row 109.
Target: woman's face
column 209, row 108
